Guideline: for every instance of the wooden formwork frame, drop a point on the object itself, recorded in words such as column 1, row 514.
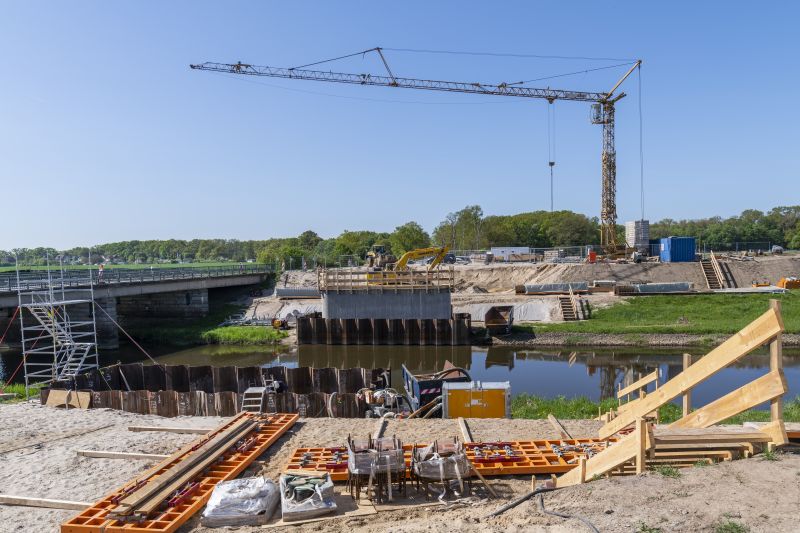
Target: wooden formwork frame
column 96, row 518
column 639, row 444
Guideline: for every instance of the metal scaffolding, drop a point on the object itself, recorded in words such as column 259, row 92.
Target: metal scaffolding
column 59, row 334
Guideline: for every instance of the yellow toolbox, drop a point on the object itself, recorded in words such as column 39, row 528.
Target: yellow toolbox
column 476, row 399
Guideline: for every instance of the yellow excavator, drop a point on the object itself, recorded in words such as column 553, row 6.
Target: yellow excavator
column 387, row 274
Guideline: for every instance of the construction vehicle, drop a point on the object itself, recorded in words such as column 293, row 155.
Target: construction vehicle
column 390, row 273
column 603, row 109
column 378, row 257
column 789, row 283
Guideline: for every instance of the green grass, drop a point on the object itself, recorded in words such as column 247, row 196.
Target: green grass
column 667, row 471
column 729, row 526
column 693, row 314
column 530, row 406
column 205, row 330
column 19, row 390
column 644, row 528
column 243, row 335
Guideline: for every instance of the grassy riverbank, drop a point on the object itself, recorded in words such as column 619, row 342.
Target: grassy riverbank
column 206, row 330
column 18, row 390
column 687, row 314
column 529, row 406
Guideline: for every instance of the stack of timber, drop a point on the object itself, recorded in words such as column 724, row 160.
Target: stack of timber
column 178, row 390
column 694, row 437
column 167, row 495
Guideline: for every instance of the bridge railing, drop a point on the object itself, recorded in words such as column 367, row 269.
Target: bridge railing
column 34, row 280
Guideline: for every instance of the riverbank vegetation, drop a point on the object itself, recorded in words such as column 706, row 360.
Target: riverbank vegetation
column 466, row 229
column 689, row 314
column 582, row 408
column 206, row 330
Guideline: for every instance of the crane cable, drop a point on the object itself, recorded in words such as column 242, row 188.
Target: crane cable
column 641, row 144
column 551, row 144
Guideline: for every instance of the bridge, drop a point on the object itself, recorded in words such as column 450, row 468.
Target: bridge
column 128, row 295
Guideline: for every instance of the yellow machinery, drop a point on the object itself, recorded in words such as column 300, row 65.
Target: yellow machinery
column 420, row 253
column 378, row 257
column 475, row 399
column 399, row 273
column 789, row 283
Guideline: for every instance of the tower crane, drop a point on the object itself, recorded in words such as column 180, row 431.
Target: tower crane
column 603, row 109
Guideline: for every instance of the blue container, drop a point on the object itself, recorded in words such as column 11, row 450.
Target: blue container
column 677, row 249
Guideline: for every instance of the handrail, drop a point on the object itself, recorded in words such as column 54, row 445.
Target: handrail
column 77, row 278
column 717, row 270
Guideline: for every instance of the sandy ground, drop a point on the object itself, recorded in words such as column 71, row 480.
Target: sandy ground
column 37, row 458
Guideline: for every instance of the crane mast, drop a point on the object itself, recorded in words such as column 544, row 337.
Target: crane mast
column 602, row 113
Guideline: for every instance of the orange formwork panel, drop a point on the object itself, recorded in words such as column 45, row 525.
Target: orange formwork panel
column 95, row 519
column 489, row 458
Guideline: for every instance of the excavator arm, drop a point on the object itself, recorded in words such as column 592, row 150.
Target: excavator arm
column 438, row 254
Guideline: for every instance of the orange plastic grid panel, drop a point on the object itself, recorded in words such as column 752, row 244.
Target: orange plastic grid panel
column 231, row 464
column 490, row 459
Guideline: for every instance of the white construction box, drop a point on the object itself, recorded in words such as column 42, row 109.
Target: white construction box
column 637, row 235
column 505, row 253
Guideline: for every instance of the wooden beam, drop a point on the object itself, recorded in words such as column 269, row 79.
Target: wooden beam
column 638, row 384
column 8, row 499
column 641, row 444
column 687, row 396
column 754, row 335
column 560, row 429
column 776, row 432
column 612, row 457
column 103, row 454
column 198, row 431
column 465, row 432
column 776, row 365
column 756, row 392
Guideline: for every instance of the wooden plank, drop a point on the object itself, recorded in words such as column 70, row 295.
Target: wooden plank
column 465, row 432
column 103, row 454
column 69, row 398
column 751, row 337
column 776, row 432
column 624, row 450
column 687, row 396
column 746, row 397
column 641, row 444
column 636, row 385
column 562, row 432
column 776, row 365
column 198, row 431
column 9, row 499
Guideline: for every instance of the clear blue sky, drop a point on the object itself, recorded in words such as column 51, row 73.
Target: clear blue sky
column 107, row 135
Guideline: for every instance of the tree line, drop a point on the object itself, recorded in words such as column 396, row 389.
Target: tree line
column 466, row 229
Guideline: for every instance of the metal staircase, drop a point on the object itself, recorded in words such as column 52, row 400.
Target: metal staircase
column 59, row 337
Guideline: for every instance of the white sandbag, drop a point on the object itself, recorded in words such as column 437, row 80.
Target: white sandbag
column 241, row 502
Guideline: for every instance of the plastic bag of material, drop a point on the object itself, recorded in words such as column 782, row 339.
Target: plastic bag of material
column 241, row 502
column 441, row 462
column 306, row 496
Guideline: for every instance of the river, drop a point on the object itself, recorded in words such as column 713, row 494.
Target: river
column 547, row 372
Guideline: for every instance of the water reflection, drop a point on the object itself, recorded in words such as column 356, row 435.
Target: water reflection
column 542, row 371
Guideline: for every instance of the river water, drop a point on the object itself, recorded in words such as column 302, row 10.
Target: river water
column 547, row 372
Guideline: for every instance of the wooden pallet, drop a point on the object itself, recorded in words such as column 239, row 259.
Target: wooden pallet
column 97, row 519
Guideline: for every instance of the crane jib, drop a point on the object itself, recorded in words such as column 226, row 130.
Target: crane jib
column 408, row 83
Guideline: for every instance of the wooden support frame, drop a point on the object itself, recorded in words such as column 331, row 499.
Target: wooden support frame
column 759, row 332
column 103, row 454
column 687, row 396
column 559, row 427
column 761, row 390
column 639, row 384
column 777, row 427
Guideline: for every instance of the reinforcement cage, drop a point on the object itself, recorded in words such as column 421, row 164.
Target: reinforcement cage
column 352, row 280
